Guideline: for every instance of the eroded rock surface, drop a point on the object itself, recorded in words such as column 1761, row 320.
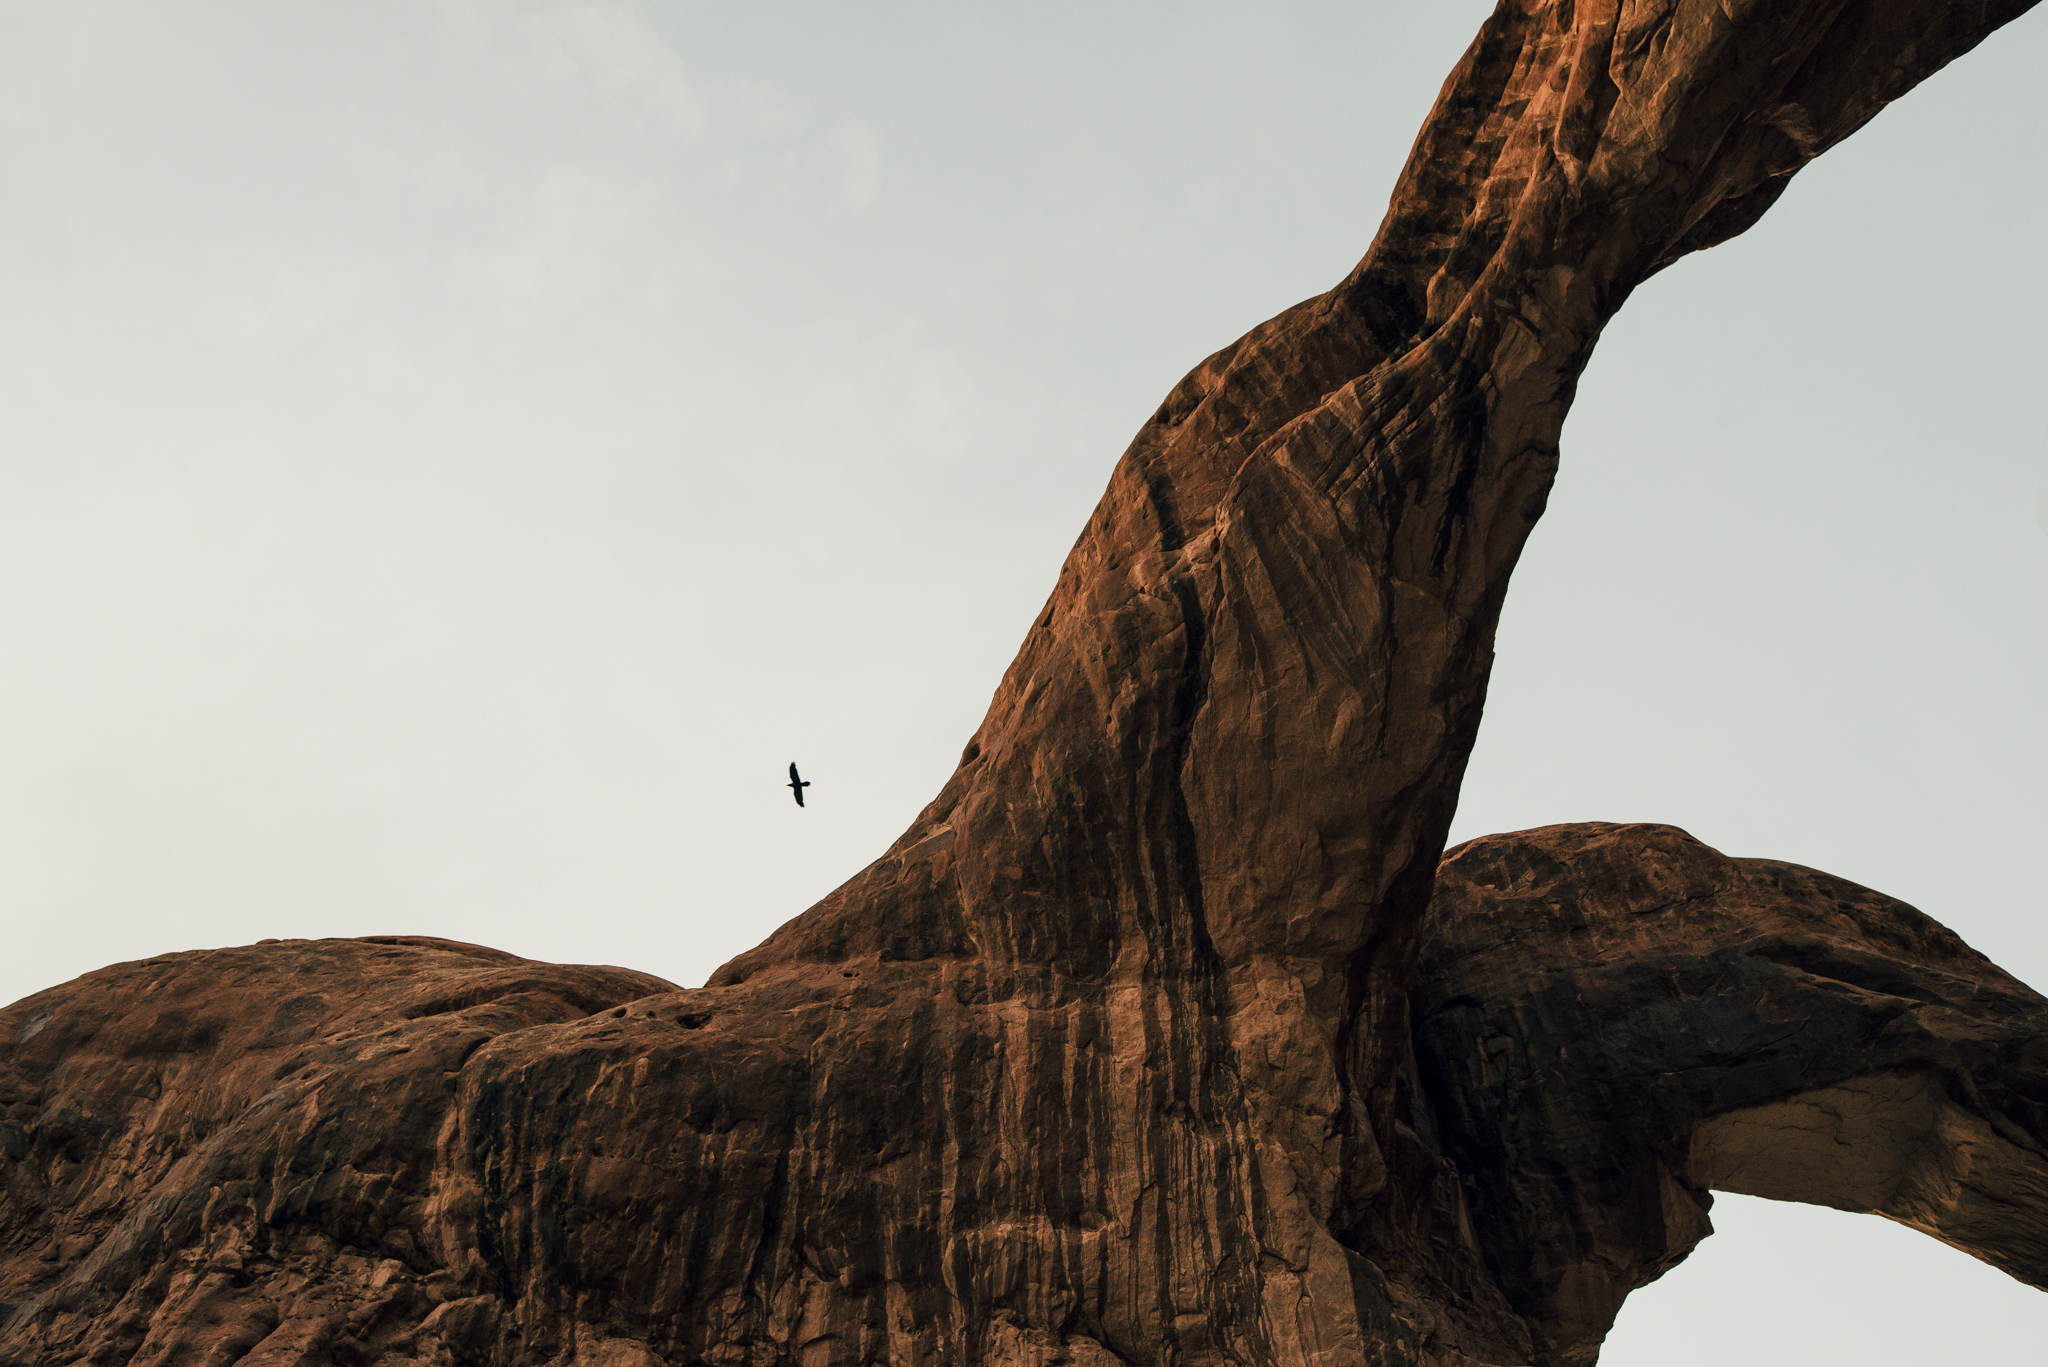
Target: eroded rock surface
column 231, row 1155
column 1613, row 1019
column 409, row 1151
column 1111, row 1053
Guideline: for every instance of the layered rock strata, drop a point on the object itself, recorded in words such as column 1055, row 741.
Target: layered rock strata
column 1106, row 1055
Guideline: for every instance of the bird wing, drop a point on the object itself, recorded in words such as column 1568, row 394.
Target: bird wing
column 792, row 772
column 799, row 794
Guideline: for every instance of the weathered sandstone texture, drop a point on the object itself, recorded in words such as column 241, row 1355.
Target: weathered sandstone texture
column 410, row 1151
column 1114, row 1056
column 1611, row 1019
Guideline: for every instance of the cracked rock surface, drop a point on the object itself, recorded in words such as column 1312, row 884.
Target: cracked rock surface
column 1114, row 1056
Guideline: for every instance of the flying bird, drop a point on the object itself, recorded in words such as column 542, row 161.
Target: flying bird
column 797, row 785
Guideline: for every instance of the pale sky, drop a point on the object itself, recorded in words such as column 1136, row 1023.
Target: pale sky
column 453, row 456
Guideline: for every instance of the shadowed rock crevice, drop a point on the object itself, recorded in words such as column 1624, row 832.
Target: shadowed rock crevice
column 1123, row 1052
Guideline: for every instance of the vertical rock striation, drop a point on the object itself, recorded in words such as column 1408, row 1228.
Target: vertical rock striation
column 409, row 1151
column 1109, row 1058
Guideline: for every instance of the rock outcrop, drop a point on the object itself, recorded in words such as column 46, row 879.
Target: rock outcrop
column 213, row 1151
column 410, row 1151
column 1110, row 1057
column 1614, row 1019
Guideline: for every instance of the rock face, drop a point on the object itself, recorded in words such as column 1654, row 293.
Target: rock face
column 216, row 1150
column 1613, row 1019
column 414, row 1151
column 1111, row 1057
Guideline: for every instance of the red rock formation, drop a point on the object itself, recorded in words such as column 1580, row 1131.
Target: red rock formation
column 415, row 1151
column 1104, row 1059
column 211, row 1151
column 1614, row 1019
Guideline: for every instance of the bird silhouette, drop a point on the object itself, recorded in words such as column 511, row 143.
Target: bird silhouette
column 797, row 785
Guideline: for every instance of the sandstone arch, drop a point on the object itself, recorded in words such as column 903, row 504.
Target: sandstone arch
column 1615, row 1019
column 1110, row 1057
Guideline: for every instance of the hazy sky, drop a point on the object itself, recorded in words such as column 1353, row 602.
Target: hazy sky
column 454, row 455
